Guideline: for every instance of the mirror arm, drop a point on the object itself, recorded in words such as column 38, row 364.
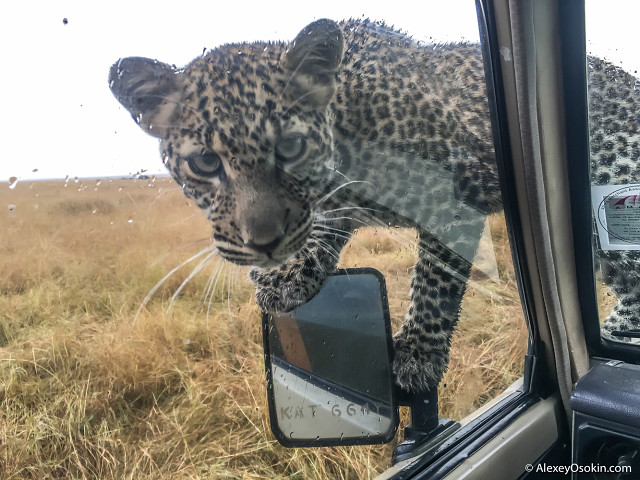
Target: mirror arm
column 425, row 430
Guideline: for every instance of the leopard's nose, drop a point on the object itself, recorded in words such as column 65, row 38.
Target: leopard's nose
column 266, row 248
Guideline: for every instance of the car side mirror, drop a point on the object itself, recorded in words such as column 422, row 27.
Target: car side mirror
column 328, row 363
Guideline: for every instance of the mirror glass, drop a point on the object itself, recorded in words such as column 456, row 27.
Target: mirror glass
column 328, row 374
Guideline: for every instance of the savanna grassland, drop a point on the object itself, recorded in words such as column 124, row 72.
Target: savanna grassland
column 87, row 392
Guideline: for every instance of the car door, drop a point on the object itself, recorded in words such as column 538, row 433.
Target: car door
column 575, row 427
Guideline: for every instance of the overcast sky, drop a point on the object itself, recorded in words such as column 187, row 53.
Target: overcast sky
column 59, row 117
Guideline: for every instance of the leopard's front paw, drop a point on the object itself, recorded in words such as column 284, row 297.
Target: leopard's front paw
column 417, row 367
column 283, row 289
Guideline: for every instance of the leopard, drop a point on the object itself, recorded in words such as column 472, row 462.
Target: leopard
column 290, row 147
column 614, row 141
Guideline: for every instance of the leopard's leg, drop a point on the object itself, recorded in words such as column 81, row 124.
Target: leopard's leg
column 421, row 346
column 287, row 286
column 621, row 274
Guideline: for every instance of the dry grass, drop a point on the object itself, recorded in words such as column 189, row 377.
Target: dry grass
column 85, row 393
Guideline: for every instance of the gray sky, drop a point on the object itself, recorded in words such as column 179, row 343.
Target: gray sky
column 59, row 117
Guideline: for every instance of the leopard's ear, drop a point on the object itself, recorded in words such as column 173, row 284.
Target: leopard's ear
column 312, row 62
column 148, row 89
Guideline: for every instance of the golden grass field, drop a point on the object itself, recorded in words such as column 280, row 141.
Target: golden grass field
column 85, row 393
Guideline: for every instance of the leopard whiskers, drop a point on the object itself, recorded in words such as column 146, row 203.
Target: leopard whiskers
column 155, row 288
column 179, row 247
column 207, row 288
column 211, row 289
column 354, row 207
column 326, row 247
column 339, row 187
column 198, row 268
column 332, row 231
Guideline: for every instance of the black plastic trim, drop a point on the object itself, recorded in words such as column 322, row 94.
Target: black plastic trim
column 439, row 462
column 371, row 440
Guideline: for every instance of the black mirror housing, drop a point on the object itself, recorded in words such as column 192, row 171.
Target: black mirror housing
column 327, row 362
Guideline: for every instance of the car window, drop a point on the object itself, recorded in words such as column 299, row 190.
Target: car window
column 129, row 327
column 614, row 109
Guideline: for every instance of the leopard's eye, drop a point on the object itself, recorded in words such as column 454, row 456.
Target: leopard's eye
column 206, row 165
column 291, row 148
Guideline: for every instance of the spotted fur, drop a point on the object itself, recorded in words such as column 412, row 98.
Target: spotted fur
column 614, row 111
column 288, row 148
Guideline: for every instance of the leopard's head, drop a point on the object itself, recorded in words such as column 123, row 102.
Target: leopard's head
column 246, row 131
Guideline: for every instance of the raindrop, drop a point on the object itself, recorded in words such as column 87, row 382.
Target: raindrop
column 13, row 181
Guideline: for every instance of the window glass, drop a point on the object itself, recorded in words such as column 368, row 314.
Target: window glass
column 614, row 111
column 130, row 340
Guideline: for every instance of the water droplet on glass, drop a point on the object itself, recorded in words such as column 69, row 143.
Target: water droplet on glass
column 13, row 181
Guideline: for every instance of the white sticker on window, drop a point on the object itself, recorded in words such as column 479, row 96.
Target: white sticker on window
column 617, row 214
